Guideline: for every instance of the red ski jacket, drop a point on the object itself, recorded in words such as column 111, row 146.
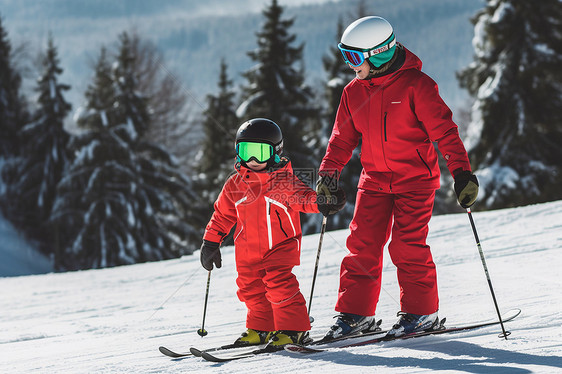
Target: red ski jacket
column 397, row 117
column 265, row 207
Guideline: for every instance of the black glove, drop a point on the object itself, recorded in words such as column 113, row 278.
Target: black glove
column 327, row 185
column 466, row 187
column 328, row 205
column 210, row 253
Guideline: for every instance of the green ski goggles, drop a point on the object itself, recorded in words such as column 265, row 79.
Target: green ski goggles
column 260, row 152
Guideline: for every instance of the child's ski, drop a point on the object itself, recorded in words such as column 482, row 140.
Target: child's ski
column 213, row 357
column 231, row 351
column 197, row 352
column 230, row 356
column 168, row 352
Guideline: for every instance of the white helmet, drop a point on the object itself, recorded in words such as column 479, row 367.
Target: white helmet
column 371, row 34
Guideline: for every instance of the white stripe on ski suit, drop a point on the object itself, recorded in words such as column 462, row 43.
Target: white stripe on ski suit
column 235, row 205
column 270, row 201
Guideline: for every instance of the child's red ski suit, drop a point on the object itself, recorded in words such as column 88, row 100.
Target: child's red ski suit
column 265, row 207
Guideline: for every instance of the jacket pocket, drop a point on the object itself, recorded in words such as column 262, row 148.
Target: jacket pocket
column 279, row 222
column 425, row 163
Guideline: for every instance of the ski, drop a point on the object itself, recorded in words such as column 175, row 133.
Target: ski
column 376, row 331
column 211, row 356
column 441, row 329
column 231, row 349
column 168, row 352
column 345, row 341
column 197, row 352
column 214, row 356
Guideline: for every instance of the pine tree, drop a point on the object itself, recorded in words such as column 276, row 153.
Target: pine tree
column 13, row 111
column 131, row 107
column 32, row 177
column 168, row 103
column 216, row 159
column 100, row 96
column 123, row 200
column 516, row 128
column 276, row 88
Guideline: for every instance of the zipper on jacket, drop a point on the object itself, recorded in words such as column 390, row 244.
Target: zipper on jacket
column 385, row 139
column 425, row 163
column 281, row 225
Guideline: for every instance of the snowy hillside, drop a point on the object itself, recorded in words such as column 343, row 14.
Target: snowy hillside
column 113, row 320
column 18, row 257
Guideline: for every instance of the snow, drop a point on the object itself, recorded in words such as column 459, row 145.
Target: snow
column 498, row 176
column 490, row 86
column 17, row 256
column 103, row 116
column 113, row 320
column 502, row 10
column 242, row 108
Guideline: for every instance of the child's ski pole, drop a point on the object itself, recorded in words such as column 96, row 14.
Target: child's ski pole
column 202, row 331
column 322, row 230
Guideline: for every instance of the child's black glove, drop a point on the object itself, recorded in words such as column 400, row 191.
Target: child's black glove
column 210, row 253
column 466, row 187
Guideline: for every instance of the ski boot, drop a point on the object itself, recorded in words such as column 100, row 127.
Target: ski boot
column 280, row 338
column 409, row 323
column 349, row 324
column 253, row 337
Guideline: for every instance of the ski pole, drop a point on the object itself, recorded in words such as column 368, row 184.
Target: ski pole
column 202, row 332
column 504, row 333
column 322, row 230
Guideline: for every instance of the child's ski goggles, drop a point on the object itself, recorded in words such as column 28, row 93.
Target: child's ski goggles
column 356, row 57
column 260, row 152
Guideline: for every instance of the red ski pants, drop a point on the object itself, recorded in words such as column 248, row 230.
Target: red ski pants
column 361, row 269
column 273, row 299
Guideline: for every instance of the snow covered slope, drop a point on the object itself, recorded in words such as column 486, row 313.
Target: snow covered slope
column 113, row 320
column 17, row 256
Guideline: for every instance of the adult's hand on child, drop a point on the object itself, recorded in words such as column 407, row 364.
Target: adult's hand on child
column 210, row 254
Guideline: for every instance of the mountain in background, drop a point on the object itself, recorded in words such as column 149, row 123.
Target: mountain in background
column 194, row 35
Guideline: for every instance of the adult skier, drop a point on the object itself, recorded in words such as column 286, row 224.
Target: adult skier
column 396, row 111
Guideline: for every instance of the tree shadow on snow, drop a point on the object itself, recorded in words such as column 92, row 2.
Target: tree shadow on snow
column 484, row 359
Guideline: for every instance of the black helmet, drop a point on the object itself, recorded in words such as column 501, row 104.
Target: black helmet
column 261, row 130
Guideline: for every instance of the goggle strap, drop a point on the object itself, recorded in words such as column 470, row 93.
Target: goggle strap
column 372, row 52
column 382, row 49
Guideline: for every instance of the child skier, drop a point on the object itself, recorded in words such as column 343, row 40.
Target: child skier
column 264, row 199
